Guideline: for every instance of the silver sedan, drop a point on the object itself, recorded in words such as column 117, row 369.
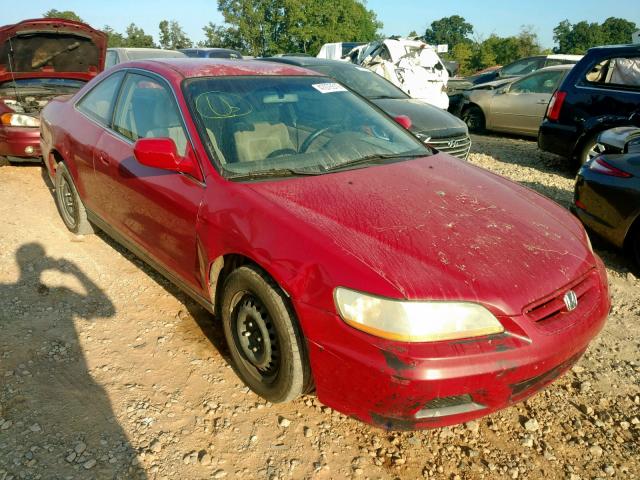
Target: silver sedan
column 513, row 106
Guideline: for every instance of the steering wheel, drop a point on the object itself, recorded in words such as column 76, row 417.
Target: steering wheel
column 281, row 152
column 314, row 136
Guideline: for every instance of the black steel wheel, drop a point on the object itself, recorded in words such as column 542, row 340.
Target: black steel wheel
column 265, row 342
column 69, row 203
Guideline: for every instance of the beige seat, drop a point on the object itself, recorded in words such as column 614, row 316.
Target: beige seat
column 168, row 125
column 264, row 139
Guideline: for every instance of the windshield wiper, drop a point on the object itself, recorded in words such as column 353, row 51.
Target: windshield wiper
column 386, row 97
column 373, row 159
column 276, row 172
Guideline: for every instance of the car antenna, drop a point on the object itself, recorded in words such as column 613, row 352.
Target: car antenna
column 13, row 77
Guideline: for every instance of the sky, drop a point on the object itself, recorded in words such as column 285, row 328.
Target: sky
column 502, row 17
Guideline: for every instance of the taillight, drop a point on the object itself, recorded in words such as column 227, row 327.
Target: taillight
column 601, row 166
column 555, row 105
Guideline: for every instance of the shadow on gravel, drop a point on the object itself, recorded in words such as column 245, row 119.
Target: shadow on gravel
column 205, row 320
column 55, row 420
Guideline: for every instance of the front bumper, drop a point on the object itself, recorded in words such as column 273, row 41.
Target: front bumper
column 20, row 142
column 401, row 386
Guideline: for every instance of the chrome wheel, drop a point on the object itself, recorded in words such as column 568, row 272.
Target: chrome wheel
column 594, row 151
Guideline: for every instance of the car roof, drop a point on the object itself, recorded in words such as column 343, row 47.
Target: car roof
column 565, row 66
column 307, row 61
column 557, row 56
column 631, row 47
column 218, row 67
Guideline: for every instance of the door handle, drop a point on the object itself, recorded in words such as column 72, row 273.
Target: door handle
column 103, row 158
column 543, row 102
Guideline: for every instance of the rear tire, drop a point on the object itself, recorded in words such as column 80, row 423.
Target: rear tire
column 267, row 348
column 473, row 116
column 70, row 206
column 590, row 149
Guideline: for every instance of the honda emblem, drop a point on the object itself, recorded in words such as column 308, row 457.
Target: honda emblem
column 571, row 300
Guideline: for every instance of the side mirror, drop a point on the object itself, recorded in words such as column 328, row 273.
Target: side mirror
column 504, row 89
column 404, row 121
column 162, row 153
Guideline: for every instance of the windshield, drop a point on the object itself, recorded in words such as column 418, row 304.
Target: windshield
column 255, row 125
column 44, row 82
column 362, row 81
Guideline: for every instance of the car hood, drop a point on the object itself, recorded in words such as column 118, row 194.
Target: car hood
column 492, row 85
column 424, row 118
column 437, row 228
column 51, row 48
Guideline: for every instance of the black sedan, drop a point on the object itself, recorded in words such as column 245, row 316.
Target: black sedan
column 607, row 192
column 435, row 127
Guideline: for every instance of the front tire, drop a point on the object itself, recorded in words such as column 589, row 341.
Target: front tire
column 267, row 348
column 474, row 118
column 70, row 206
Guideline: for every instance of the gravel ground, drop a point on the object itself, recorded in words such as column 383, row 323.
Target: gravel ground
column 108, row 371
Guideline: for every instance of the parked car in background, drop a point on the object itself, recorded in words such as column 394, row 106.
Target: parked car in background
column 434, row 126
column 607, row 192
column 338, row 250
column 411, row 65
column 40, row 59
column 337, row 51
column 512, row 106
column 601, row 92
column 120, row 55
column 516, row 69
column 212, row 53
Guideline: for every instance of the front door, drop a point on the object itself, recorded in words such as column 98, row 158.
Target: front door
column 520, row 108
column 156, row 209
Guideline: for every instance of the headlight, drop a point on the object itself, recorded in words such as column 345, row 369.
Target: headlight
column 406, row 321
column 18, row 120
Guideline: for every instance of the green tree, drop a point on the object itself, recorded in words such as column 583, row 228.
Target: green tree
column 448, row 30
column 114, row 39
column 463, row 53
column 172, row 36
column 66, row 14
column 136, row 37
column 215, row 36
column 580, row 37
column 266, row 27
column 616, row 31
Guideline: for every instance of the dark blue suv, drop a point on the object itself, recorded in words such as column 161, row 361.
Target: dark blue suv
column 602, row 91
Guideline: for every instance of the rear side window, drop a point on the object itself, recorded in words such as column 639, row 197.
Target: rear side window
column 98, row 103
column 146, row 109
column 616, row 72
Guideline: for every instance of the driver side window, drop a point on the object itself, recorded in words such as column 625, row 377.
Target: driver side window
column 146, row 109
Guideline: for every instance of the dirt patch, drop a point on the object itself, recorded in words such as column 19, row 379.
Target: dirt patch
column 108, row 371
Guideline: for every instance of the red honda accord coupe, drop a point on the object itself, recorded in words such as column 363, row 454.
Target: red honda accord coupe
column 41, row 59
column 409, row 288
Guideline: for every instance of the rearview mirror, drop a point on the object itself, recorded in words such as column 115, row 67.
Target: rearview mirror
column 162, row 153
column 404, row 121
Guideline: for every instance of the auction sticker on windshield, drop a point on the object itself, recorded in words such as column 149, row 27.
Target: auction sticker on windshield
column 329, row 87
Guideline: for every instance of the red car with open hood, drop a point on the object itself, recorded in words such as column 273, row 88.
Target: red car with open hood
column 338, row 252
column 40, row 59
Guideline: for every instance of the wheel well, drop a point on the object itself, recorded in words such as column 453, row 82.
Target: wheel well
column 220, row 270
column 635, row 227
